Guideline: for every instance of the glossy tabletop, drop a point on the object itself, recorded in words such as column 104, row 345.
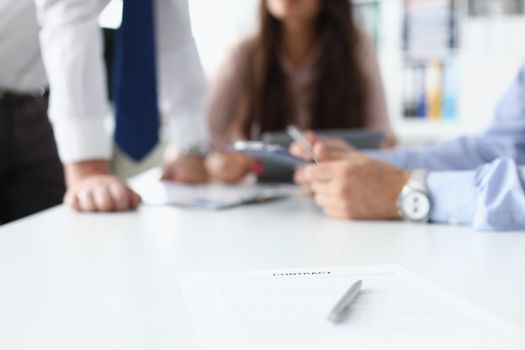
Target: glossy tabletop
column 109, row 281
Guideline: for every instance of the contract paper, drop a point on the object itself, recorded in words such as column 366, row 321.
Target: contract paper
column 209, row 196
column 287, row 309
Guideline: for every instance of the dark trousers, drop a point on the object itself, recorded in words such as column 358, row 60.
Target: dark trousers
column 31, row 175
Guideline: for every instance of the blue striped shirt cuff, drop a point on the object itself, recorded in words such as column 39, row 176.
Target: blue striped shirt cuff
column 453, row 195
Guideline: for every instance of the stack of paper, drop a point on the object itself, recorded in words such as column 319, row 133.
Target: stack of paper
column 208, row 196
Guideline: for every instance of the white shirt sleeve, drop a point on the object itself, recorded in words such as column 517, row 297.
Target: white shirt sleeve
column 182, row 85
column 71, row 44
column 72, row 50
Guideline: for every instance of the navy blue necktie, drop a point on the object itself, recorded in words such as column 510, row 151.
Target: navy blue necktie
column 135, row 83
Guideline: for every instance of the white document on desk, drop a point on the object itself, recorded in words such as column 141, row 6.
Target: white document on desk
column 208, row 196
column 287, row 309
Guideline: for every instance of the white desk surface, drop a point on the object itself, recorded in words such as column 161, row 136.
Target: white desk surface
column 109, row 281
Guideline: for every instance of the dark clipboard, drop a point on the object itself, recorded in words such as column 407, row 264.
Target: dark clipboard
column 277, row 164
column 265, row 152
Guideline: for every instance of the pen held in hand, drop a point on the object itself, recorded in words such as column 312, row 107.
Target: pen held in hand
column 340, row 310
column 301, row 140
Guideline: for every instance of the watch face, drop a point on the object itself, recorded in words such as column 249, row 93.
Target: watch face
column 416, row 206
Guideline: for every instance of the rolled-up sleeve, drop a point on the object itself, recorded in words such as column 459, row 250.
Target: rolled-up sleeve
column 72, row 50
column 490, row 198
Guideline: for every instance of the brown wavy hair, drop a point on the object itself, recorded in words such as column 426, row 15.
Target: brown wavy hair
column 340, row 89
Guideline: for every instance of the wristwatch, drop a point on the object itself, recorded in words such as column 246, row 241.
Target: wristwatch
column 414, row 203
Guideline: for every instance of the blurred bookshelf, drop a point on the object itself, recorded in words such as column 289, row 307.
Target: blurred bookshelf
column 445, row 63
column 430, row 54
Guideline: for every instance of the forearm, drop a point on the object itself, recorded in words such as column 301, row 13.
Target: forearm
column 466, row 153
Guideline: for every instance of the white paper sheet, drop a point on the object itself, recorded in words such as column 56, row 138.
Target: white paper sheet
column 287, row 310
column 209, row 196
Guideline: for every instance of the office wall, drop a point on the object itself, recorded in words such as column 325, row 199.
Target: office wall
column 218, row 24
column 493, row 51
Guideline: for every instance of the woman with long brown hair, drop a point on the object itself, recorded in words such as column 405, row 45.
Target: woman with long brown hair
column 308, row 65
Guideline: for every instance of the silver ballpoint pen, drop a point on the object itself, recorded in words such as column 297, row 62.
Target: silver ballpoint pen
column 299, row 137
column 340, row 310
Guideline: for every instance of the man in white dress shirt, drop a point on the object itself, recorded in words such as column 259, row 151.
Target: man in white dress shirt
column 31, row 175
column 71, row 43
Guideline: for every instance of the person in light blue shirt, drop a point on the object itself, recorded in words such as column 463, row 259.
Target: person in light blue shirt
column 478, row 180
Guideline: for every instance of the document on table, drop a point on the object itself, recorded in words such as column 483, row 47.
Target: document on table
column 287, row 309
column 209, row 196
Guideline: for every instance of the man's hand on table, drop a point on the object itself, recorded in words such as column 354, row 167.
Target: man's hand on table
column 92, row 188
column 350, row 185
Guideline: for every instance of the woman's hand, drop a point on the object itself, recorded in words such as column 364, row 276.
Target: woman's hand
column 229, row 167
column 186, row 168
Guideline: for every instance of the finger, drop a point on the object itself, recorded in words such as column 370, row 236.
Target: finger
column 232, row 177
column 201, row 174
column 324, row 188
column 339, row 145
column 345, row 146
column 299, row 151
column 121, row 197
column 322, row 200
column 71, row 200
column 322, row 151
column 135, row 199
column 85, row 200
column 338, row 214
column 103, row 199
column 306, row 190
column 193, row 176
column 168, row 174
column 320, row 172
column 300, row 176
column 326, row 151
column 190, row 170
column 310, row 136
column 330, row 203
